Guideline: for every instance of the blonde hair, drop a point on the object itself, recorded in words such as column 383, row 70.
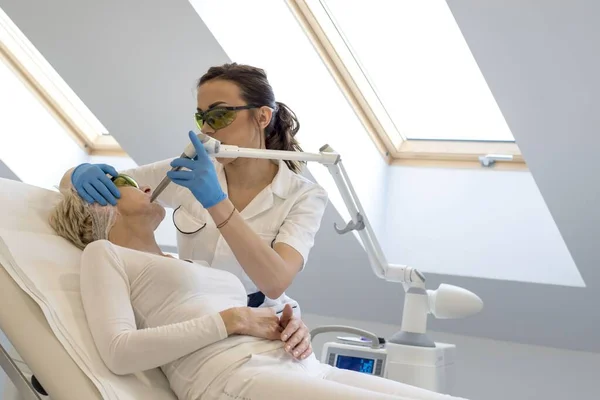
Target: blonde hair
column 79, row 221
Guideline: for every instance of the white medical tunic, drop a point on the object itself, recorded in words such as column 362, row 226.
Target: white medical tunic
column 289, row 210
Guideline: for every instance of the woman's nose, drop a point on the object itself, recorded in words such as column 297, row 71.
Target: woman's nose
column 207, row 130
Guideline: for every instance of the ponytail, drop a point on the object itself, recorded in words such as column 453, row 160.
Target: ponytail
column 280, row 133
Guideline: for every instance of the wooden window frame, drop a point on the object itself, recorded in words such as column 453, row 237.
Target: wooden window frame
column 395, row 149
column 49, row 88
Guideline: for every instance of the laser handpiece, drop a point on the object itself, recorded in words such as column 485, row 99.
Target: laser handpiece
column 210, row 144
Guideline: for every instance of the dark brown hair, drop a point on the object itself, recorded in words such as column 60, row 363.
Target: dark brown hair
column 255, row 89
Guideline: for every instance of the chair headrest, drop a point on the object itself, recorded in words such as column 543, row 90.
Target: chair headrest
column 26, row 207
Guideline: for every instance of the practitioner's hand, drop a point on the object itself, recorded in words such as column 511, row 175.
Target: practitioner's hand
column 200, row 177
column 295, row 335
column 260, row 322
column 93, row 185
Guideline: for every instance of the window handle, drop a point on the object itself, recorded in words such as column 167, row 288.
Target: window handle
column 489, row 159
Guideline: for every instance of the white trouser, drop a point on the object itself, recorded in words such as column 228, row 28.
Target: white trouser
column 276, row 375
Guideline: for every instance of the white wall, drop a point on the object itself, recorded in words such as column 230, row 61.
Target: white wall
column 475, row 223
column 497, row 370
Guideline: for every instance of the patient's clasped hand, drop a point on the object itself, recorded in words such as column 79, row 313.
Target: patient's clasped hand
column 146, row 309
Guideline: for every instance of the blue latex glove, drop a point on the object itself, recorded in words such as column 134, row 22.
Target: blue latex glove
column 93, row 185
column 201, row 178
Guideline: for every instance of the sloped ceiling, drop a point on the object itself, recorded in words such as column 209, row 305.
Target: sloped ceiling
column 134, row 63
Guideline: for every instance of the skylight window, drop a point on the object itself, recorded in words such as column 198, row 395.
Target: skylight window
column 409, row 73
column 52, row 90
column 419, row 64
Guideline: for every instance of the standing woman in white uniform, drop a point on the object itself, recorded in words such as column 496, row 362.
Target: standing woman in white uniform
column 253, row 217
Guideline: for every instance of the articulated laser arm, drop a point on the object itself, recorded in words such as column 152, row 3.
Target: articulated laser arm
column 360, row 223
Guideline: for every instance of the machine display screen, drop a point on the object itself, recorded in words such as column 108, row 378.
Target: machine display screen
column 356, row 364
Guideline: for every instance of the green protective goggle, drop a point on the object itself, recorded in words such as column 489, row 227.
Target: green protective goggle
column 125, row 180
column 219, row 117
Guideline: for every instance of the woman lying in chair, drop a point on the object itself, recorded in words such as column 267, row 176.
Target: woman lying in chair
column 146, row 309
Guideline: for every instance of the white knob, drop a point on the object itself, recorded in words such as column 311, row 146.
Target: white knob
column 450, row 301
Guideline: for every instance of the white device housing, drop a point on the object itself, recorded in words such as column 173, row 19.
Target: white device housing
column 431, row 368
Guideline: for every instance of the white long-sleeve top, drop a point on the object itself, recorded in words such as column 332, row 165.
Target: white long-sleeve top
column 146, row 311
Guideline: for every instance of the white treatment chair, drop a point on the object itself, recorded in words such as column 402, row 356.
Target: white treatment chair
column 41, row 311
